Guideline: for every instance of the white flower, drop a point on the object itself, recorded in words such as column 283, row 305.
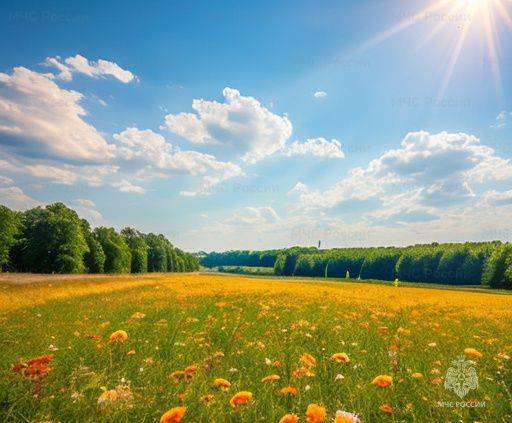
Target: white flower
column 339, row 376
column 349, row 417
column 307, row 388
column 268, row 361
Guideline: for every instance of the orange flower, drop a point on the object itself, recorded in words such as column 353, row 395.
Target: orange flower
column 382, row 329
column 315, row 413
column 340, row 357
column 240, row 398
column 34, row 368
column 222, row 383
column 472, row 353
column 190, row 371
column 383, row 381
column 436, row 381
column 308, row 360
column 289, row 418
column 290, row 390
column 118, row 336
column 174, row 415
column 270, row 378
column 302, row 371
column 107, row 397
column 417, row 376
column 386, row 408
column 346, row 417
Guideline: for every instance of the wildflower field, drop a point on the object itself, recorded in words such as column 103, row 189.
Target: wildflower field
column 219, row 348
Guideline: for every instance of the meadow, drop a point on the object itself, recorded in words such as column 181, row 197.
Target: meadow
column 221, row 348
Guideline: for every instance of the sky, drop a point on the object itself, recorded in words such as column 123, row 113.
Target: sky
column 257, row 125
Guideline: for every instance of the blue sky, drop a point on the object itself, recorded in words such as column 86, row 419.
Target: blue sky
column 234, row 125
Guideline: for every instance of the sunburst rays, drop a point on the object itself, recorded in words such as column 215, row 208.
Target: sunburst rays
column 475, row 15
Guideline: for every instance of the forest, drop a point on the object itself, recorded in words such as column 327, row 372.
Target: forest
column 470, row 263
column 53, row 239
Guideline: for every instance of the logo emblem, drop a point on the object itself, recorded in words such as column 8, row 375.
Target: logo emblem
column 461, row 377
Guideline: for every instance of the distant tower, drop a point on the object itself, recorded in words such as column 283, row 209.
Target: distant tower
column 319, row 243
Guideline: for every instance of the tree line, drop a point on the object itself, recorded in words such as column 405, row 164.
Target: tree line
column 53, row 239
column 470, row 263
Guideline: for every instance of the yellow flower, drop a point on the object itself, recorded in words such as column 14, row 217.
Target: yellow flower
column 107, row 397
column 417, row 376
column 472, row 353
column 270, row 378
column 386, row 408
column 118, row 336
column 290, row 390
column 174, row 415
column 289, row 418
column 340, row 357
column 240, row 398
column 308, row 360
column 222, row 383
column 383, row 381
column 315, row 413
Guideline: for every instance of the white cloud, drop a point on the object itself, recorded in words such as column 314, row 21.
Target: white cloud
column 4, row 180
column 240, row 123
column 85, row 202
column 502, row 119
column 145, row 147
column 320, row 94
column 254, row 216
column 319, row 147
column 126, row 186
column 428, row 172
column 497, row 198
column 80, row 64
column 14, row 198
column 40, row 119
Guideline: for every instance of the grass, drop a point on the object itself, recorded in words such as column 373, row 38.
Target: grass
column 191, row 318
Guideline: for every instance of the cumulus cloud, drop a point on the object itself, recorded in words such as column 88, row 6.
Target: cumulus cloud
column 320, row 94
column 427, row 172
column 40, row 119
column 80, row 64
column 240, row 123
column 254, row 216
column 126, row 186
column 147, row 148
column 319, row 147
column 14, row 198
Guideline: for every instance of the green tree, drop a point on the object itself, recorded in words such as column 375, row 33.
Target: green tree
column 157, row 253
column 117, row 253
column 52, row 240
column 139, row 249
column 94, row 258
column 10, row 227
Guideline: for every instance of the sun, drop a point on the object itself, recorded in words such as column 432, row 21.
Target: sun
column 479, row 15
